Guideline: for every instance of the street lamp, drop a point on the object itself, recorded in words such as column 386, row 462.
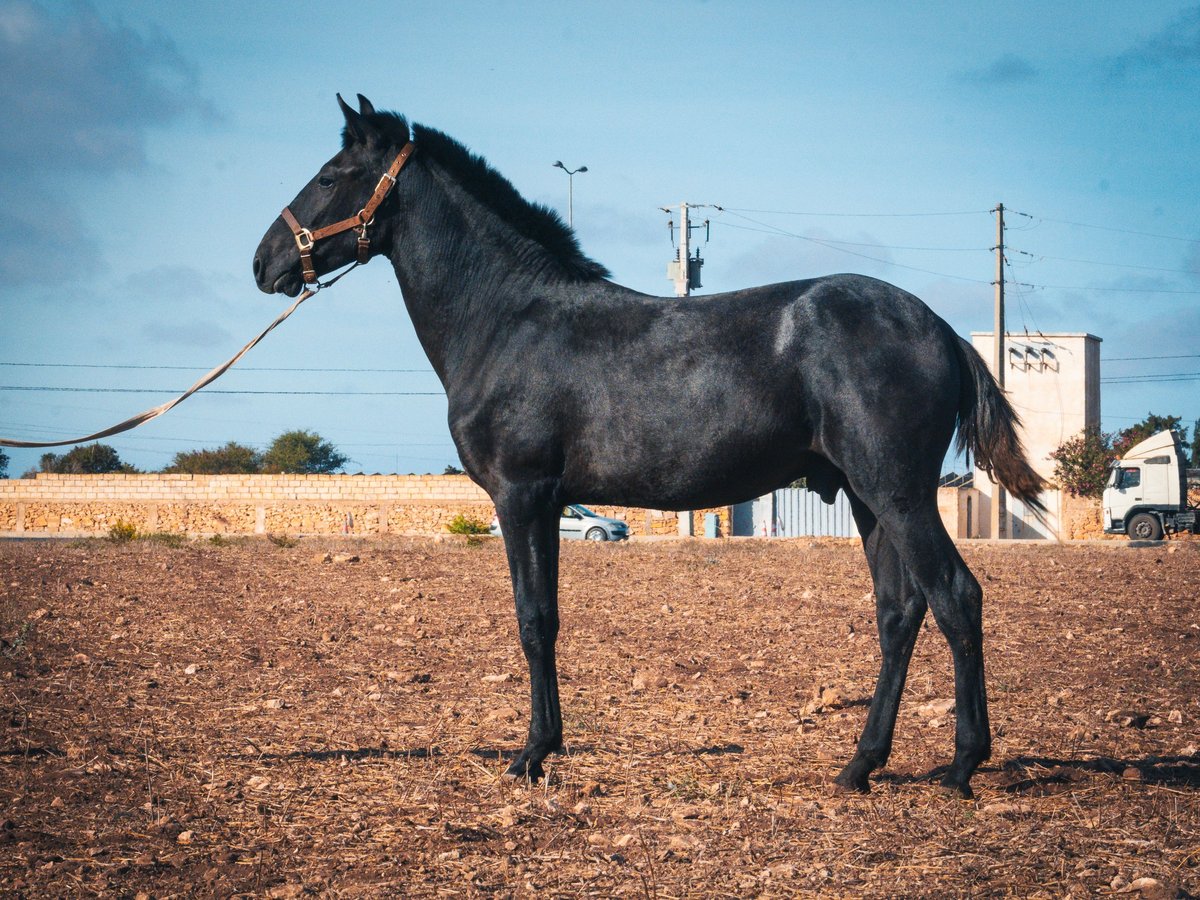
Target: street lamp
column 571, row 173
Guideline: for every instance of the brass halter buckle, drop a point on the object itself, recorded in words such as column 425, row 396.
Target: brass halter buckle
column 306, row 239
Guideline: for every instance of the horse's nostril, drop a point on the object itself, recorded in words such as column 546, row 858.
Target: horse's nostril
column 257, row 267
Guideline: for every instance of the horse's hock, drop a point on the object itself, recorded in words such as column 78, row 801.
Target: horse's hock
column 84, row 505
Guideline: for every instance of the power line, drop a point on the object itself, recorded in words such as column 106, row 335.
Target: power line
column 1150, row 379
column 833, row 246
column 45, row 365
column 845, row 215
column 1166, row 237
column 1132, row 358
column 774, row 230
column 1095, row 262
column 79, row 390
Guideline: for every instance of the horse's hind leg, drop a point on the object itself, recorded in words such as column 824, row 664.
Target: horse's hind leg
column 956, row 600
column 529, row 522
column 899, row 611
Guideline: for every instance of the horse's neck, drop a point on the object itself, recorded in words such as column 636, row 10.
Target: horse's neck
column 458, row 289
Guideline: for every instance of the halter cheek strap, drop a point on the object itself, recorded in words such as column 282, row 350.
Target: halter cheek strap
column 306, row 239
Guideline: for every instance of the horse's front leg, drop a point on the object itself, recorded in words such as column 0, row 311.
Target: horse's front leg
column 531, row 540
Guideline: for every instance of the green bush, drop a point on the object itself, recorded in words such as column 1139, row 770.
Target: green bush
column 122, row 532
column 463, row 524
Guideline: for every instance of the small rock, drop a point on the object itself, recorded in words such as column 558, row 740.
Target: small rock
column 1132, row 773
column 286, row 891
column 1128, row 718
column 1175, row 717
column 191, row 670
column 1144, row 885
column 624, row 840
column 323, row 557
column 1005, row 808
column 498, row 679
column 274, row 704
column 508, row 816
column 185, row 837
column 257, row 782
column 57, row 803
column 503, row 714
column 683, row 842
column 935, row 708
column 345, row 558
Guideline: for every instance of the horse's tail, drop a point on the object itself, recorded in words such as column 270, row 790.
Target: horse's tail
column 987, row 426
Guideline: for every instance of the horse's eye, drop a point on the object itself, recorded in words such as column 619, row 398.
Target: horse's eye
column 325, row 181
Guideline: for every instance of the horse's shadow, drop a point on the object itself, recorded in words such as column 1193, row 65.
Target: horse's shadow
column 353, row 754
column 1035, row 773
column 1020, row 774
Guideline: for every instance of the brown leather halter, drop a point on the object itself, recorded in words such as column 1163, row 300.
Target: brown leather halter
column 305, row 239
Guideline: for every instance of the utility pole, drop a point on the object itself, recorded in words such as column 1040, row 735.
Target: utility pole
column 684, row 269
column 999, row 514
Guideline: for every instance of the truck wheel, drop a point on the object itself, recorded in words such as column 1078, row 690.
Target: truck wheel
column 1144, row 527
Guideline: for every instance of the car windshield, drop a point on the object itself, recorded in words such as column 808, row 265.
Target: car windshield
column 583, row 509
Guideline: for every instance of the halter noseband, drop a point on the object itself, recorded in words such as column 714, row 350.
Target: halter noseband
column 305, row 239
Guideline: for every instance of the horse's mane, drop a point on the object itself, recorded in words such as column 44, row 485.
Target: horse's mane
column 532, row 221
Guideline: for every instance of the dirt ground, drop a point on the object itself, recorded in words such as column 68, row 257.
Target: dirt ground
column 249, row 719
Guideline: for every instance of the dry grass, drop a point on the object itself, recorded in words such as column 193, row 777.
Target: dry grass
column 343, row 728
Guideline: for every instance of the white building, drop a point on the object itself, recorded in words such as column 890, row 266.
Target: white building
column 1053, row 382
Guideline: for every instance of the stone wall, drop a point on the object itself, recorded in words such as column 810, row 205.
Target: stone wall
column 1081, row 519
column 80, row 505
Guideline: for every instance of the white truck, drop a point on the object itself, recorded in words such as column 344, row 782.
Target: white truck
column 1147, row 492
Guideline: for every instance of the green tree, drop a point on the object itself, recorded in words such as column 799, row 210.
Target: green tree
column 232, row 459
column 1150, row 425
column 1081, row 464
column 88, row 459
column 1195, row 463
column 303, row 452
column 453, row 470
column 3, row 464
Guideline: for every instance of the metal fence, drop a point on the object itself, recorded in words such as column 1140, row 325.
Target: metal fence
column 800, row 513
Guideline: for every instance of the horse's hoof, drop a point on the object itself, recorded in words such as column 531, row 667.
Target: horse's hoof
column 522, row 770
column 850, row 781
column 958, row 787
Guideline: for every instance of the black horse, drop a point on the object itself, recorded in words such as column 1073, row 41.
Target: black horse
column 564, row 387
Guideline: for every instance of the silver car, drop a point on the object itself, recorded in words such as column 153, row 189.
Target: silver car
column 578, row 523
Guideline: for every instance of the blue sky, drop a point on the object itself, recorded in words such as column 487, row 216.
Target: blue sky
column 147, row 145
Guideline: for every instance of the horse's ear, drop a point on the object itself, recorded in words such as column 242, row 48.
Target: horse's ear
column 365, row 106
column 355, row 127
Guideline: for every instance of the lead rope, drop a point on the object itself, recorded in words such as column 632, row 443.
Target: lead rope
column 144, row 417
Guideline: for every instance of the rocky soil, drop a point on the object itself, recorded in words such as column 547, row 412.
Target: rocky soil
column 332, row 718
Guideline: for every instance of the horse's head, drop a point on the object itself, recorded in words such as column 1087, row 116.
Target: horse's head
column 340, row 215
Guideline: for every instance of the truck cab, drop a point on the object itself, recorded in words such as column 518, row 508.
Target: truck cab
column 1146, row 496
